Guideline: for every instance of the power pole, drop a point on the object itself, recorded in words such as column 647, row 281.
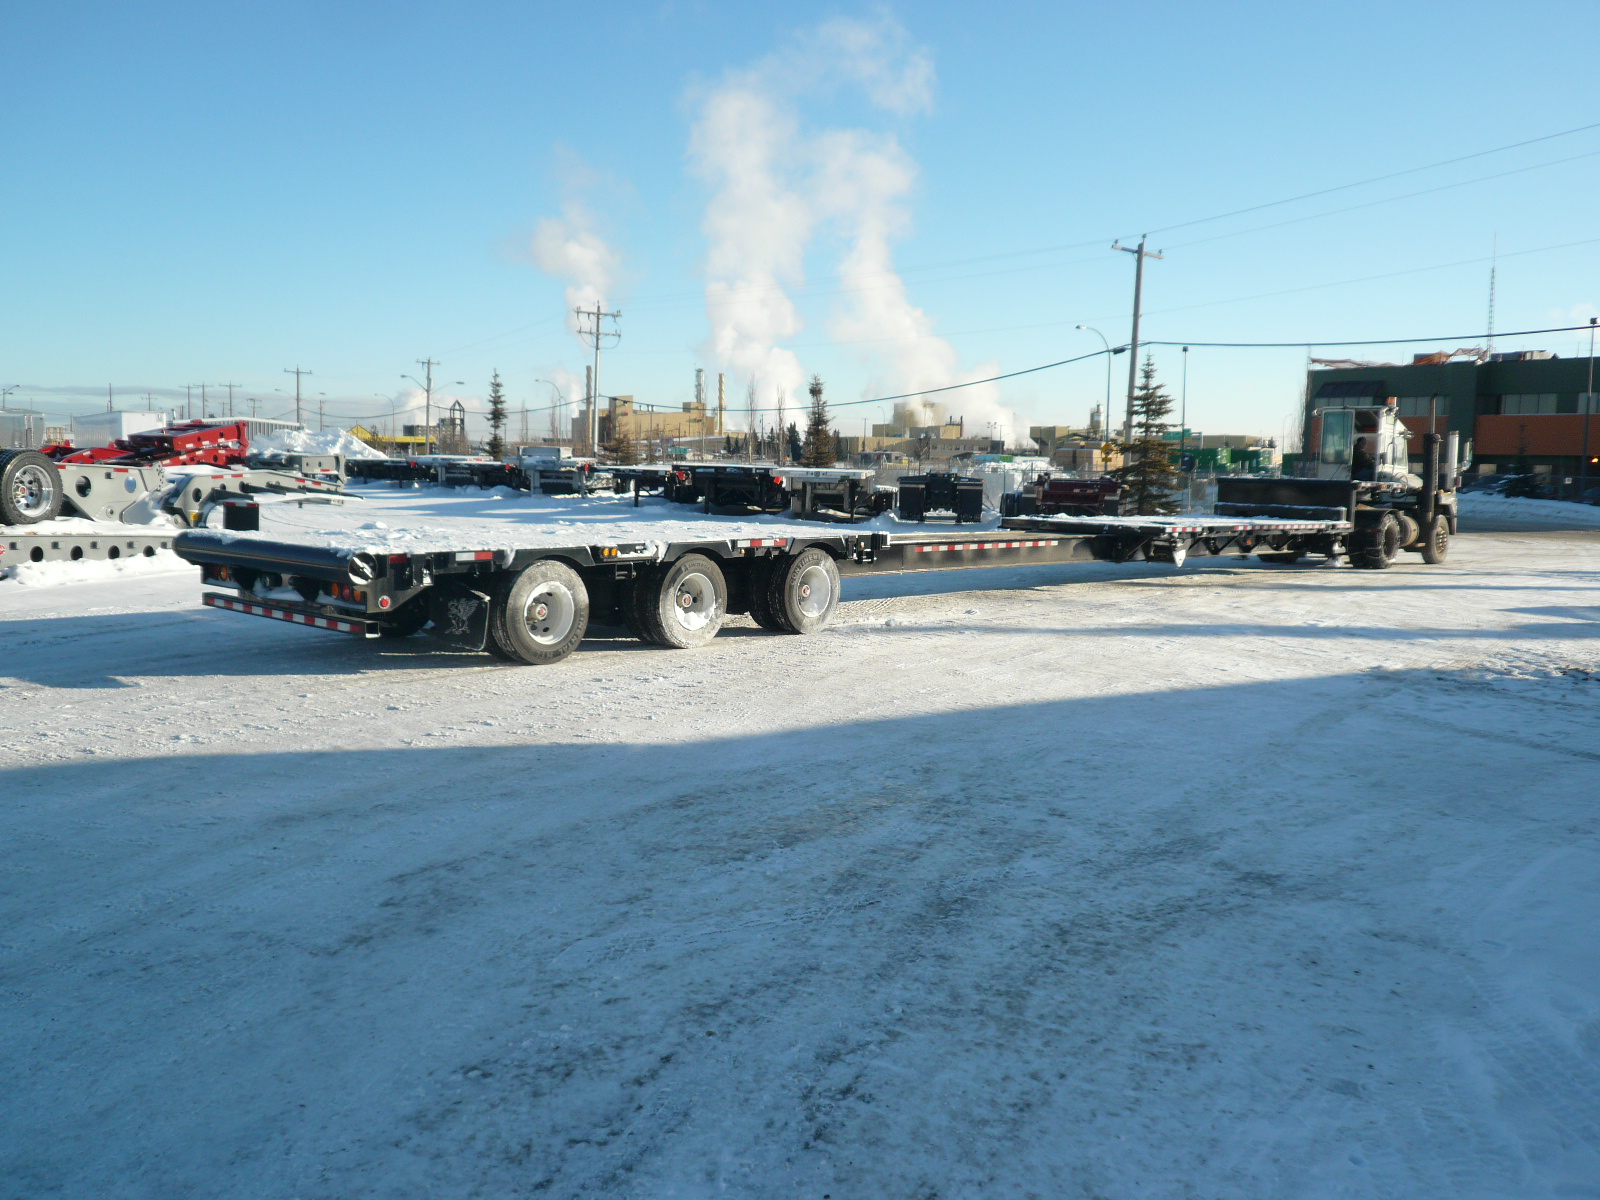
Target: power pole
column 1140, row 254
column 1589, row 407
column 188, row 400
column 596, row 335
column 296, row 372
column 230, row 387
column 427, row 365
column 109, row 406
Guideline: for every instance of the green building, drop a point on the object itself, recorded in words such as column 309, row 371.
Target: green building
column 1524, row 412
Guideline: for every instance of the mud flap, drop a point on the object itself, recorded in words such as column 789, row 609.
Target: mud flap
column 460, row 617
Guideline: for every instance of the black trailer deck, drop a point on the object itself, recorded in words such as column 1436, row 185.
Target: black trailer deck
column 533, row 602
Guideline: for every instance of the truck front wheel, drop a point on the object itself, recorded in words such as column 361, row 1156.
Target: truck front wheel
column 539, row 615
column 1374, row 547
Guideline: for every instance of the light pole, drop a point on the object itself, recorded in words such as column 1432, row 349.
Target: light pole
column 1105, row 413
column 558, row 406
column 1183, row 413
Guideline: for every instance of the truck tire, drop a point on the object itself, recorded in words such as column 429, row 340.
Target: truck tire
column 1410, row 531
column 760, row 584
column 1374, row 547
column 409, row 618
column 805, row 591
column 30, row 487
column 686, row 602
column 539, row 615
column 1436, row 540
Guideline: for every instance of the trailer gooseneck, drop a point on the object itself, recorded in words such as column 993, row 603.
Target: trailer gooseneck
column 533, row 603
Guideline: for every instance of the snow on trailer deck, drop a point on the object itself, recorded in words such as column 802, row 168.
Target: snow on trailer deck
column 942, row 902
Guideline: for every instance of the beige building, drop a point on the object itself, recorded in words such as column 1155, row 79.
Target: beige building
column 645, row 422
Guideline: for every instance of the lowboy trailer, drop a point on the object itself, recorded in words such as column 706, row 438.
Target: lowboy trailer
column 534, row 602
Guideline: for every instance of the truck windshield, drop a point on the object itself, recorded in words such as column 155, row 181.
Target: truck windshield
column 1337, row 429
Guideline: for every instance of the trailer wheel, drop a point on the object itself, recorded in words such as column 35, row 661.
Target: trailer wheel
column 1436, row 540
column 805, row 591
column 409, row 618
column 539, row 615
column 760, row 586
column 30, row 487
column 686, row 603
column 1375, row 547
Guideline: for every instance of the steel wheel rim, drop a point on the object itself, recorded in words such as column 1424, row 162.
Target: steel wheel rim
column 30, row 490
column 549, row 613
column 816, row 591
column 694, row 601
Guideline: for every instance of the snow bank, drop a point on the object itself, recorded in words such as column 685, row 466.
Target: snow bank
column 303, row 441
column 55, row 574
column 1484, row 504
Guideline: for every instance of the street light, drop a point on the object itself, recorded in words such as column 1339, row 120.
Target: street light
column 1105, row 413
column 561, row 401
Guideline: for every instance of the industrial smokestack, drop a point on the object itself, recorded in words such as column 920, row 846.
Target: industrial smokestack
column 722, row 402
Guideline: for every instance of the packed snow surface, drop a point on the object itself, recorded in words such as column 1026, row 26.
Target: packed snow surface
column 1485, row 504
column 1108, row 880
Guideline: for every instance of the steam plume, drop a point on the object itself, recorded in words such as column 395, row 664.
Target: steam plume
column 774, row 184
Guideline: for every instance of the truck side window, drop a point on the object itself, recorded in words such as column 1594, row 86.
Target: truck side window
column 1338, row 428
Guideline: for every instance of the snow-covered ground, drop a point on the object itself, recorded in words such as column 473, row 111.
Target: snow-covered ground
column 1223, row 880
column 1524, row 509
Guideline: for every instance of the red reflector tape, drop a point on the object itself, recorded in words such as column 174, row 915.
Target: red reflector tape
column 752, row 543
column 283, row 614
column 474, row 555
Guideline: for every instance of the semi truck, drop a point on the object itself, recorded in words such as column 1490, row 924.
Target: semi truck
column 1359, row 468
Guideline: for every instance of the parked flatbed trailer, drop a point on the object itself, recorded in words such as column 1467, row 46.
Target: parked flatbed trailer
column 532, row 600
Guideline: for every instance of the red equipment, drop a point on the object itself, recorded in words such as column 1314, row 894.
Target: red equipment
column 190, row 443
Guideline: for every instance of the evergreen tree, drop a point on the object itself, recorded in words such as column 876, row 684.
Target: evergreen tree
column 1148, row 468
column 497, row 418
column 619, row 449
column 796, row 446
column 818, row 450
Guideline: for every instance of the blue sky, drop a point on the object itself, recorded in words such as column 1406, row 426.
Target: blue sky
column 215, row 193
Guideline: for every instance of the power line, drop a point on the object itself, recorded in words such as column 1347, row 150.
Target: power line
column 1304, row 342
column 1344, row 187
column 1333, row 212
